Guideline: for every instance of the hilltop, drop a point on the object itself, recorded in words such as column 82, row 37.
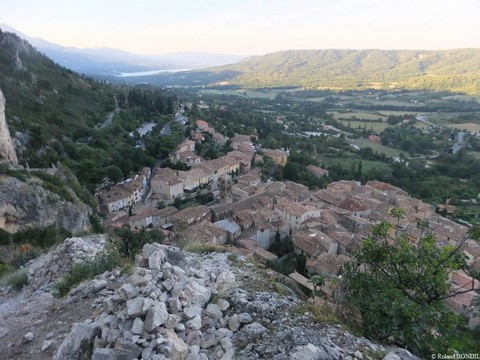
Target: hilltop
column 447, row 70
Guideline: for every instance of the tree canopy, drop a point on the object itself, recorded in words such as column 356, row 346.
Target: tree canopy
column 395, row 290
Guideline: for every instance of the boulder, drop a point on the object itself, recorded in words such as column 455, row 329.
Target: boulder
column 79, row 342
column 197, row 294
column 135, row 306
column 178, row 348
column 129, row 291
column 308, row 352
column 249, row 334
column 110, row 354
column 157, row 315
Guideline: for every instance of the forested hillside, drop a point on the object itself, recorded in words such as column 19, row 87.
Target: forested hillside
column 453, row 70
column 56, row 115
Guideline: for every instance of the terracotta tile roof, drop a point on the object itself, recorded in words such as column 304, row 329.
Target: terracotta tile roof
column 204, row 232
column 332, row 263
column 262, row 253
column 344, row 185
column 311, row 244
column 238, row 138
column 246, row 149
column 290, row 207
column 167, row 175
column 352, row 205
column 318, row 171
column 116, row 192
column 196, row 212
column 463, row 281
column 220, row 163
column 196, row 173
column 379, row 185
column 201, row 124
column 272, row 152
column 329, row 196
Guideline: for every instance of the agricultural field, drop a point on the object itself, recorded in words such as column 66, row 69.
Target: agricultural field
column 262, row 94
column 378, row 147
column 466, row 126
column 358, row 115
column 376, row 127
column 348, row 163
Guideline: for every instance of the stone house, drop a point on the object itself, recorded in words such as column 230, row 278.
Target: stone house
column 193, row 215
column 279, row 157
column 293, row 213
column 167, row 183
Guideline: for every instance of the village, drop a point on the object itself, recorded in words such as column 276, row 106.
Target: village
column 326, row 225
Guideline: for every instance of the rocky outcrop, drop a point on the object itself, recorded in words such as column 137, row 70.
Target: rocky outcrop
column 28, row 204
column 7, row 149
column 181, row 306
column 172, row 305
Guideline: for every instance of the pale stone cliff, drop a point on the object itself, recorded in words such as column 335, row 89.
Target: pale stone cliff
column 28, row 204
column 7, row 150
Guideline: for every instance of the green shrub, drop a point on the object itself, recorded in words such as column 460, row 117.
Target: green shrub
column 131, row 242
column 201, row 248
column 322, row 314
column 4, row 268
column 44, row 238
column 25, row 255
column 17, row 280
column 4, row 237
column 97, row 226
column 87, row 270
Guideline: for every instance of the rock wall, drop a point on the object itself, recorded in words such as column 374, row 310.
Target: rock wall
column 7, row 149
column 28, row 204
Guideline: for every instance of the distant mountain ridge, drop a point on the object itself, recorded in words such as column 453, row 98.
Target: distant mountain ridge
column 109, row 62
column 453, row 70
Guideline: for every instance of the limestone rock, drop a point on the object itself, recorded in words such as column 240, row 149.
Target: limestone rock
column 110, row 354
column 197, row 294
column 7, row 148
column 135, row 306
column 29, row 336
column 157, row 315
column 249, row 334
column 129, row 291
column 137, row 326
column 46, row 344
column 195, row 323
column 79, row 342
column 177, row 346
column 307, row 352
column 213, row 310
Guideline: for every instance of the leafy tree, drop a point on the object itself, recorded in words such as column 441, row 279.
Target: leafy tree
column 317, row 281
column 398, row 289
column 131, row 242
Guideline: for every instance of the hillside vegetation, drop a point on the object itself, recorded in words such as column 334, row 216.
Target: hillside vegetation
column 56, row 115
column 453, row 70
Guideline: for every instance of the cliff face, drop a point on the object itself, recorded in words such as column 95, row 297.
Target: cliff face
column 28, row 204
column 7, row 150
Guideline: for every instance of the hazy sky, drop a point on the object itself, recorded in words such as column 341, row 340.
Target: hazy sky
column 247, row 26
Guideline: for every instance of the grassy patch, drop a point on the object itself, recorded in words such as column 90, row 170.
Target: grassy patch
column 377, row 147
column 322, row 314
column 347, row 163
column 201, row 248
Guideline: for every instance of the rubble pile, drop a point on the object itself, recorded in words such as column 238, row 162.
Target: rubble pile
column 177, row 305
